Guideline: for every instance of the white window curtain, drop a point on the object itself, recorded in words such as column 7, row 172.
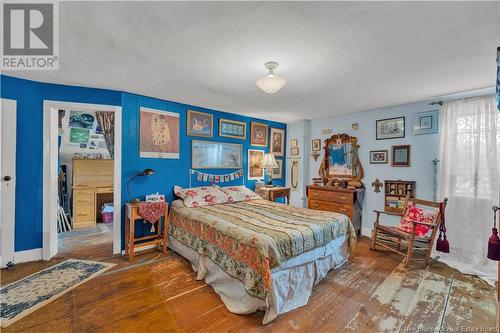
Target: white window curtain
column 469, row 177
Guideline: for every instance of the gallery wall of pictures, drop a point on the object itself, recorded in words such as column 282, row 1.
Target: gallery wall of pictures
column 217, row 142
column 222, row 154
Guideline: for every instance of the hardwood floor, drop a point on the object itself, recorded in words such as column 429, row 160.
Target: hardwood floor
column 160, row 294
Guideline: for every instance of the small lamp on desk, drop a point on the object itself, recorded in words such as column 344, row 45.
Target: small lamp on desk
column 146, row 172
column 269, row 162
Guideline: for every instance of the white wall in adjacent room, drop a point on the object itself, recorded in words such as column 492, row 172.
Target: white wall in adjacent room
column 424, row 149
column 68, row 149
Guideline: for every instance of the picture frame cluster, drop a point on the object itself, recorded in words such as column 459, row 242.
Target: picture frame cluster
column 201, row 124
column 425, row 122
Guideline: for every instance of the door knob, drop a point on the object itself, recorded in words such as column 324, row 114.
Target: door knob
column 7, row 178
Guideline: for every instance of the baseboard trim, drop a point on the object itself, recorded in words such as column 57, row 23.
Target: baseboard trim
column 366, row 231
column 28, row 255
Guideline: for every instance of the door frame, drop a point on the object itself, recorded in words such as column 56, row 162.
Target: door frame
column 7, row 227
column 50, row 157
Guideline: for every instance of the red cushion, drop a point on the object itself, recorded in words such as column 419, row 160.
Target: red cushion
column 414, row 213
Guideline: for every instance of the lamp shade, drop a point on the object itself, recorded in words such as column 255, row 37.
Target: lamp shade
column 269, row 161
column 146, row 172
column 270, row 83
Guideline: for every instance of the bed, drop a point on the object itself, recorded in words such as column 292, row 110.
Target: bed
column 260, row 255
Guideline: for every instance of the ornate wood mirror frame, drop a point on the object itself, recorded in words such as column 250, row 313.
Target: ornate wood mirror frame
column 341, row 164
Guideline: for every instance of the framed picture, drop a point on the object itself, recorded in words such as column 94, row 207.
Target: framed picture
column 294, row 151
column 200, row 124
column 158, row 134
column 392, row 128
column 78, row 135
column 401, row 156
column 379, row 157
column 255, row 169
column 316, row 145
column 277, row 142
column 278, row 172
column 426, row 122
column 295, row 143
column 258, row 134
column 81, row 119
column 232, row 129
column 216, row 155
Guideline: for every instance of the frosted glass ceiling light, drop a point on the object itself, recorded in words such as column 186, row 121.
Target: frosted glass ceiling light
column 271, row 83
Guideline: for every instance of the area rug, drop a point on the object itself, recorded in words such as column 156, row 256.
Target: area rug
column 24, row 296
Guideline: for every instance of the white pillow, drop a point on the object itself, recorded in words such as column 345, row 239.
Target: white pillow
column 240, row 193
column 201, row 196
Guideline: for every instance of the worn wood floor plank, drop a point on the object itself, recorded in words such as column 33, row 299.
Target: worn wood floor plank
column 471, row 304
column 428, row 305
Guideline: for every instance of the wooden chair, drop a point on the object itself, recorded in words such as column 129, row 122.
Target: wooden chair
column 386, row 236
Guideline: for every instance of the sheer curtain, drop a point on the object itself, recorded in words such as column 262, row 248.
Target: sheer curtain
column 469, row 177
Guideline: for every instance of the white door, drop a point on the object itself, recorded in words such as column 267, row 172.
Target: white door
column 7, row 179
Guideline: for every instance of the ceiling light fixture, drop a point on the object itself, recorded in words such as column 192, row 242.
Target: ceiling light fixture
column 271, row 83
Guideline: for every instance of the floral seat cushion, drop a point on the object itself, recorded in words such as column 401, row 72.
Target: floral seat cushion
column 414, row 213
column 240, row 193
column 201, row 196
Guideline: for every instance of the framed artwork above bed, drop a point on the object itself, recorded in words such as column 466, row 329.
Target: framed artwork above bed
column 278, row 172
column 277, row 142
column 232, row 129
column 216, row 155
column 199, row 124
column 258, row 134
column 158, row 134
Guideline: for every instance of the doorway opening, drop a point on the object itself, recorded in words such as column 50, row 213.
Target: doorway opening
column 82, row 176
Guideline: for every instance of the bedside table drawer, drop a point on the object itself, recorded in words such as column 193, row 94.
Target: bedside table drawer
column 281, row 193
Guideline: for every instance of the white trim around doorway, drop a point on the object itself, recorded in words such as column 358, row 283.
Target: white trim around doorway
column 8, row 124
column 50, row 157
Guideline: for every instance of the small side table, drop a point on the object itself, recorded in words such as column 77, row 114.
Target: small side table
column 272, row 193
column 160, row 239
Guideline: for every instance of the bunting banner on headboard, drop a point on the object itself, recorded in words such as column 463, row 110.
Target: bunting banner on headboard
column 206, row 177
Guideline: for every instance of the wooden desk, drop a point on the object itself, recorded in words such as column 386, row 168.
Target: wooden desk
column 272, row 193
column 92, row 184
column 159, row 239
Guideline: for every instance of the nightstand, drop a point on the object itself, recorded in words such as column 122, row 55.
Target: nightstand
column 159, row 240
column 272, row 193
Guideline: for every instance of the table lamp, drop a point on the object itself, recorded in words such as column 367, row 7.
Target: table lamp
column 146, row 172
column 269, row 163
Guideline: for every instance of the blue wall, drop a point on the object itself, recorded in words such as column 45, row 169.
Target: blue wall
column 29, row 149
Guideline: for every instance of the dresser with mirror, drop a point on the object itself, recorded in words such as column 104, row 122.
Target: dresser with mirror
column 341, row 172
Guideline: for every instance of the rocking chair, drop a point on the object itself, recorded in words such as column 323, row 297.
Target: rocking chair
column 386, row 236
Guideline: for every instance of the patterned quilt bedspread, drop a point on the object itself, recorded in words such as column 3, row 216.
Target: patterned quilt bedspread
column 248, row 239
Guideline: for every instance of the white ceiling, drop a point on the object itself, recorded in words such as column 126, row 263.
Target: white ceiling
column 337, row 57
